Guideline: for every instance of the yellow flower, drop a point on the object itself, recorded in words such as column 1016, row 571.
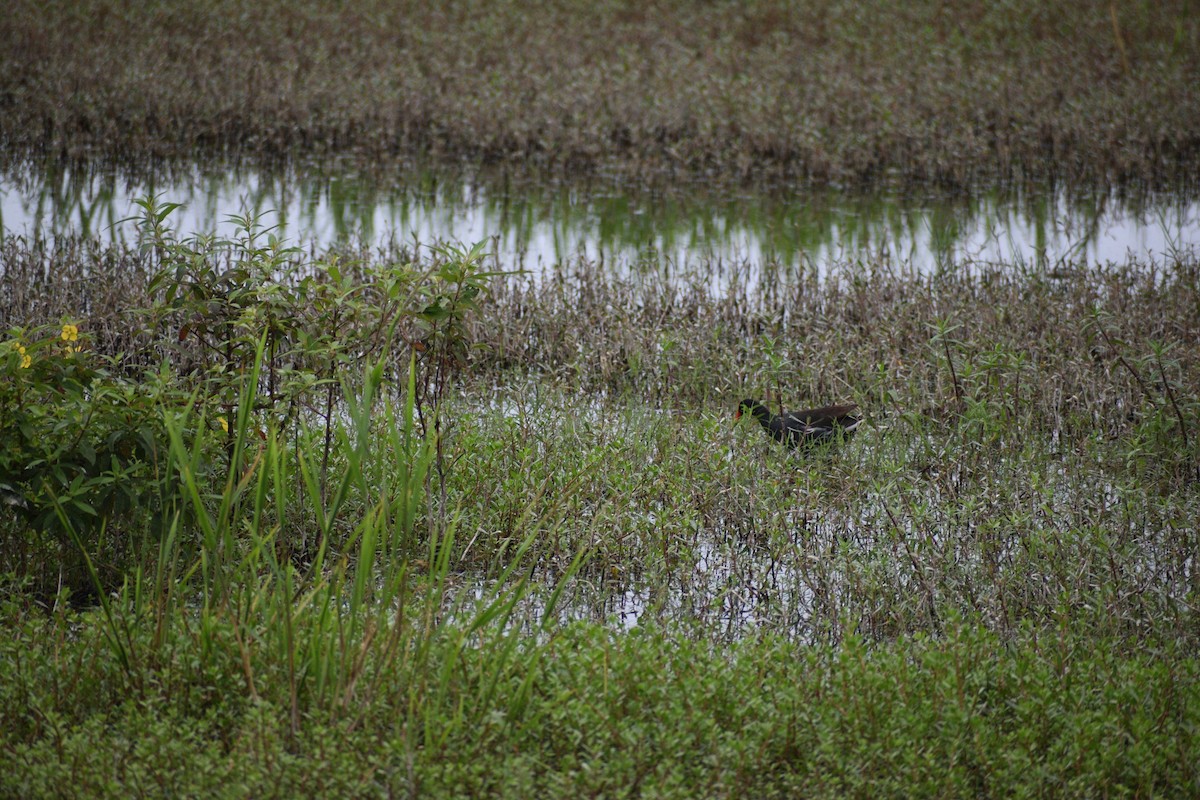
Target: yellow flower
column 26, row 360
column 70, row 333
column 224, row 424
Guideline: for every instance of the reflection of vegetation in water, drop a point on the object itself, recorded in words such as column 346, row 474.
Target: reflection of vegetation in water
column 543, row 221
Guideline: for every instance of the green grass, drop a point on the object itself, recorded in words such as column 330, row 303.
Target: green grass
column 849, row 92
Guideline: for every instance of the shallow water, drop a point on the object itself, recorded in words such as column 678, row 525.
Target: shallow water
column 536, row 223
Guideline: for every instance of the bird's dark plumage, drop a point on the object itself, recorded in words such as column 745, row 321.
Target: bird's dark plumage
column 805, row 428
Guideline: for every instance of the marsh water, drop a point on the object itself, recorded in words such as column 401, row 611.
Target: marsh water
column 534, row 222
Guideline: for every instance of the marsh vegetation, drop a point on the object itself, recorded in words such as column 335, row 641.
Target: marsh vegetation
column 377, row 518
column 850, row 91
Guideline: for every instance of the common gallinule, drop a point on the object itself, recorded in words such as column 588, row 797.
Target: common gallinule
column 803, row 428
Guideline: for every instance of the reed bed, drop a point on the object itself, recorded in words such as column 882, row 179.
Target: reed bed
column 848, row 92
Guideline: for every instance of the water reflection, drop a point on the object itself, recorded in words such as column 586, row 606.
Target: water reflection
column 537, row 223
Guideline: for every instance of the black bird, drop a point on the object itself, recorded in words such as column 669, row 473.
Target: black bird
column 803, row 428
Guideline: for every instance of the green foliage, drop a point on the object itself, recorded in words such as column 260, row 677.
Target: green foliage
column 340, row 539
column 242, row 349
column 80, row 446
column 588, row 712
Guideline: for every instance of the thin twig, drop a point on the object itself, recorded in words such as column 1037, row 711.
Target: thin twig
column 1136, row 376
column 1117, row 37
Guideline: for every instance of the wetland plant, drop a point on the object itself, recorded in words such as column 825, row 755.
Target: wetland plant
column 419, row 582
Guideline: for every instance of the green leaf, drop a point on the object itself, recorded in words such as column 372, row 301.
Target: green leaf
column 435, row 311
column 87, row 452
column 84, row 506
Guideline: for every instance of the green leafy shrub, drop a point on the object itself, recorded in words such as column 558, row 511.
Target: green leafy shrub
column 81, row 447
column 230, row 323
